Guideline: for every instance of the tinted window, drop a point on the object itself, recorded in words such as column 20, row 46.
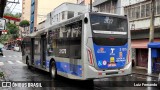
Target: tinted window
column 108, row 23
column 66, row 41
column 109, row 30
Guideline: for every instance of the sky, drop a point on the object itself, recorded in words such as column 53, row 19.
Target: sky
column 15, row 8
column 18, row 7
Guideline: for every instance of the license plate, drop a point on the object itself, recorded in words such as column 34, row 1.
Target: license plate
column 112, row 59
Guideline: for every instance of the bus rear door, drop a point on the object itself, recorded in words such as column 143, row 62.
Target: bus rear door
column 43, row 51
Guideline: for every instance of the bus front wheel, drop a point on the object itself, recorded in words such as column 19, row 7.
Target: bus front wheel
column 53, row 70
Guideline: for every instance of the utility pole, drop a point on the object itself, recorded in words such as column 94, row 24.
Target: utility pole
column 90, row 5
column 151, row 36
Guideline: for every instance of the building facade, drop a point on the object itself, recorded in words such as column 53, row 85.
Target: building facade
column 40, row 9
column 26, row 11
column 139, row 18
column 83, row 2
column 41, row 25
column 33, row 18
column 64, row 12
column 138, row 12
column 108, row 6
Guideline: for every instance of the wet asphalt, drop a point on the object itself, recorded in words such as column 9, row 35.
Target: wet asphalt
column 16, row 71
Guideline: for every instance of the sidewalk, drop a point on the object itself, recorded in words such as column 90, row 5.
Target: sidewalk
column 1, row 75
column 142, row 71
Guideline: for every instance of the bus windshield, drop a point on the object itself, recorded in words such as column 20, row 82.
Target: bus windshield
column 108, row 30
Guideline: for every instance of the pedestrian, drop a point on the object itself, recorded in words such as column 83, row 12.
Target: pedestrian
column 133, row 63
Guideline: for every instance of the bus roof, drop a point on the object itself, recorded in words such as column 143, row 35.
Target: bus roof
column 110, row 14
column 71, row 20
column 37, row 33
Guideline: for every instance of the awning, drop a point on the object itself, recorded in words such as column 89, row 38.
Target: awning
column 154, row 45
column 141, row 43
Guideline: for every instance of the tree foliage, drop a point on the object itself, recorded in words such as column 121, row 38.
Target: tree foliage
column 24, row 23
column 12, row 28
column 17, row 15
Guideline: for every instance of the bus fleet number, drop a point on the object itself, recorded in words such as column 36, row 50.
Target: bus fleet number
column 62, row 51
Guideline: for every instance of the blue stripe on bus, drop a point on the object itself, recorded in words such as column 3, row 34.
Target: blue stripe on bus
column 38, row 63
column 65, row 67
column 69, row 68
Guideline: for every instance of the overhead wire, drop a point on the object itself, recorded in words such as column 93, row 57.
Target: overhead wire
column 13, row 8
column 10, row 6
column 12, row 3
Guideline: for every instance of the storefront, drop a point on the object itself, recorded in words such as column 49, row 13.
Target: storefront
column 140, row 52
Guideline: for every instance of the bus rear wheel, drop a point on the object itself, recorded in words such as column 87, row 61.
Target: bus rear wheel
column 53, row 70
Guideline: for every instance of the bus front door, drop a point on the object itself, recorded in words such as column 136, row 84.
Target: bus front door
column 32, row 51
column 43, row 51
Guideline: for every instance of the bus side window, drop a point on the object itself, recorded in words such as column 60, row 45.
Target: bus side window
column 57, row 33
column 75, row 41
column 68, row 29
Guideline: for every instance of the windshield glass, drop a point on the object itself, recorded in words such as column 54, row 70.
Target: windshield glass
column 108, row 23
column 109, row 30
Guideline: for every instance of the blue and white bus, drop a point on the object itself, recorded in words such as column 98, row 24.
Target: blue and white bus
column 91, row 45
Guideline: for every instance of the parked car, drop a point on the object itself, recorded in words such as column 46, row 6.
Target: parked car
column 1, row 51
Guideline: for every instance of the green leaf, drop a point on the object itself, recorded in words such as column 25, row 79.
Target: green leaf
column 24, row 23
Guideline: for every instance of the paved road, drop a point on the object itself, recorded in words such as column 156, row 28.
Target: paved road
column 10, row 57
column 14, row 70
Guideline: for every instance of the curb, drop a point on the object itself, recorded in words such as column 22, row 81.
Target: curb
column 145, row 74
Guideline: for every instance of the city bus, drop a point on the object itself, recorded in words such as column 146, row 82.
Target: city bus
column 89, row 46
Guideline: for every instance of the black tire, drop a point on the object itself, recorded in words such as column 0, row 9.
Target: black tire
column 53, row 70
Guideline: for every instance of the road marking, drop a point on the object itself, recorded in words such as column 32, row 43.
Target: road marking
column 10, row 62
column 1, row 63
column 19, row 62
column 9, row 56
column 4, row 56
